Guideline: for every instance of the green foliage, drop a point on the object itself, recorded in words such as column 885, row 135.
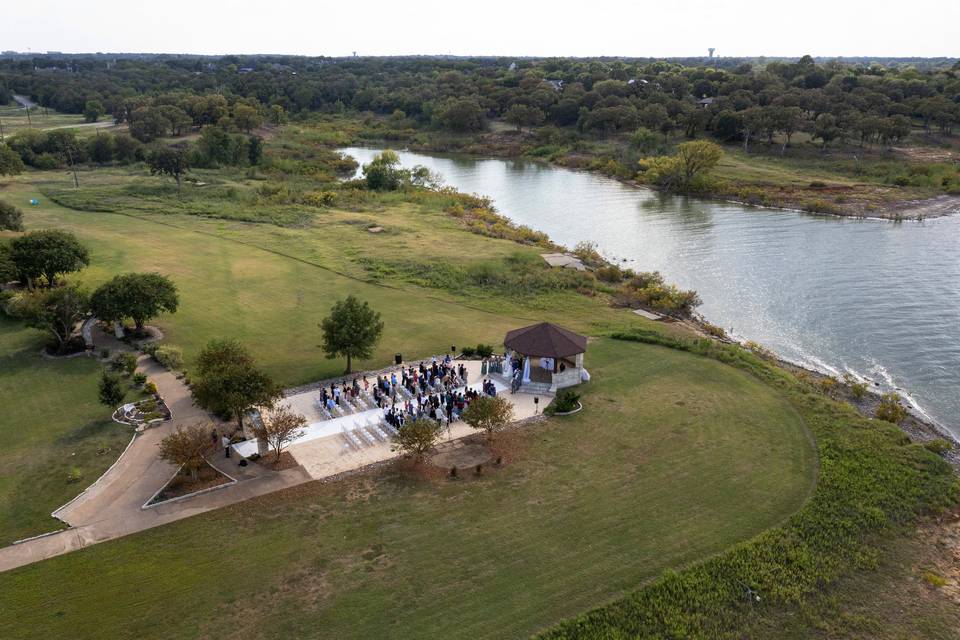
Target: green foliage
column 228, row 382
column 11, row 217
column 48, row 254
column 169, row 161
column 461, row 115
column 938, row 446
column 686, row 170
column 384, row 173
column 110, row 392
column 10, row 162
column 54, row 311
column 140, row 296
column 169, row 356
column 565, row 401
column 351, row 330
column 523, row 115
column 139, row 378
column 125, row 362
column 891, row 408
column 648, row 289
column 483, row 350
column 93, row 110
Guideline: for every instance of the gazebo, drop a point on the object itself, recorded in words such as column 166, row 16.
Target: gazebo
column 552, row 357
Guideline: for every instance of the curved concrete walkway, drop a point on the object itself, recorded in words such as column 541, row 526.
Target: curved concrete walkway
column 111, row 507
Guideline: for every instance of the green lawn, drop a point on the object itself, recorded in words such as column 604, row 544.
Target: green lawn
column 674, row 458
column 55, row 438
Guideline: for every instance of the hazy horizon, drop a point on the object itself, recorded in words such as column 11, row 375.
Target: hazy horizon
column 735, row 28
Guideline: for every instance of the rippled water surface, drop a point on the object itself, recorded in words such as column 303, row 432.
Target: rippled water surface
column 876, row 298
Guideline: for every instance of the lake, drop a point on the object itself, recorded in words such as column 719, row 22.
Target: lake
column 875, row 298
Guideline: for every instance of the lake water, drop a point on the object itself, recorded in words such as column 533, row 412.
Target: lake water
column 876, row 298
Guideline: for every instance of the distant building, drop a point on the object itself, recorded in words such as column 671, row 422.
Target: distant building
column 512, row 67
column 706, row 102
column 556, row 84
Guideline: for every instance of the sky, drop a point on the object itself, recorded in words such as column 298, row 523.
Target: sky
column 664, row 28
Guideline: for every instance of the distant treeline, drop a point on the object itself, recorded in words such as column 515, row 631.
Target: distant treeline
column 734, row 99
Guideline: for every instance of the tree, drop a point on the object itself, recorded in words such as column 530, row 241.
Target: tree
column 169, row 161
column 140, row 296
column 788, row 120
column 48, row 253
column 383, row 173
column 697, row 158
column 489, row 413
column 278, row 115
column 280, row 427
column 8, row 270
column 10, row 162
column 188, row 448
column 826, row 128
column 228, row 381
column 55, row 311
column 246, row 118
column 11, row 217
column 352, row 329
column 523, row 115
column 109, row 390
column 100, row 148
column 65, row 144
column 461, row 114
column 646, row 141
column 255, row 150
column 416, row 437
column 93, row 110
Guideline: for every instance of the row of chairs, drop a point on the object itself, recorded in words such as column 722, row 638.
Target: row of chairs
column 368, row 432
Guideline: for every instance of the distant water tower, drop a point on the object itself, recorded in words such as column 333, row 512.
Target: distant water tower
column 711, row 50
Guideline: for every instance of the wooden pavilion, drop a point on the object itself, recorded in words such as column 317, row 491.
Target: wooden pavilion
column 551, row 356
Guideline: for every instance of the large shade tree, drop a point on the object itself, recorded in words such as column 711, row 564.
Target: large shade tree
column 351, row 330
column 139, row 296
column 47, row 254
column 228, row 382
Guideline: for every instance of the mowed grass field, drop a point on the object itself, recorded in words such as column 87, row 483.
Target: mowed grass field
column 674, row 457
column 56, row 438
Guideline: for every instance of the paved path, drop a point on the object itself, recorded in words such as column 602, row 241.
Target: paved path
column 112, row 506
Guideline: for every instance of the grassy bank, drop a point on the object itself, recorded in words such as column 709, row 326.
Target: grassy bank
column 56, row 437
column 872, row 485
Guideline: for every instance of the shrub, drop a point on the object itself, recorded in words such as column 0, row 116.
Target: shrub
column 891, row 409
column 484, row 350
column 125, row 362
column 150, row 388
column 319, row 198
column 858, row 389
column 565, row 401
column 610, row 273
column 468, row 352
column 169, row 356
column 938, row 446
column 139, row 378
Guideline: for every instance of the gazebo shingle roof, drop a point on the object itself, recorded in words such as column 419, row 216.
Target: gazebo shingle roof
column 545, row 340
